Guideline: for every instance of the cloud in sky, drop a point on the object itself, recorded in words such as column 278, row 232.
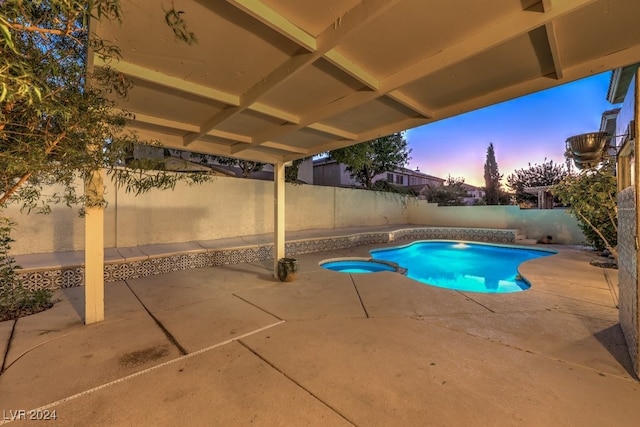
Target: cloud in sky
column 524, row 130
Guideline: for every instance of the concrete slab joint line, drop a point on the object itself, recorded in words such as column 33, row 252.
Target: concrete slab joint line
column 298, row 384
column 53, row 405
column 8, row 347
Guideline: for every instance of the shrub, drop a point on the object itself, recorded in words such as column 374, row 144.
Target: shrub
column 591, row 197
column 16, row 300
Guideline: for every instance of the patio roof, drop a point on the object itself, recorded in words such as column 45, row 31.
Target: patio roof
column 277, row 80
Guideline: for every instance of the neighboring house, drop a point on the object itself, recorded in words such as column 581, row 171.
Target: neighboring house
column 328, row 172
column 608, row 124
column 186, row 161
column 305, row 172
column 621, row 90
column 473, row 194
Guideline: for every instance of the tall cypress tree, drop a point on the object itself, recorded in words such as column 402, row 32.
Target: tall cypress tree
column 492, row 178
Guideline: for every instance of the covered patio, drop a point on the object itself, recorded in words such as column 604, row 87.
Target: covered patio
column 275, row 81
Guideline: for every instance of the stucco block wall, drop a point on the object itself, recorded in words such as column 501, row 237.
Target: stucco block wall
column 627, row 273
column 232, row 207
column 362, row 207
column 534, row 223
column 307, row 207
column 225, row 207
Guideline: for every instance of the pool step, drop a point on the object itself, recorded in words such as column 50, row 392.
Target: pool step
column 521, row 239
column 527, row 241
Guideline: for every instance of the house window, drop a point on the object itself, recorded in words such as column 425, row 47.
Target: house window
column 400, row 179
column 390, row 177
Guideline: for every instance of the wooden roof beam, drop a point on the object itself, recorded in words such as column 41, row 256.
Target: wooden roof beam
column 518, row 24
column 490, row 37
column 351, row 68
column 593, row 67
column 288, row 148
column 410, row 103
column 276, row 77
column 277, row 22
column 186, row 127
column 165, row 80
column 332, row 130
column 353, row 19
column 181, row 85
column 369, row 135
column 550, row 28
column 204, row 147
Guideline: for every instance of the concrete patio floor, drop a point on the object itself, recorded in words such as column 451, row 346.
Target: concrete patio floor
column 232, row 346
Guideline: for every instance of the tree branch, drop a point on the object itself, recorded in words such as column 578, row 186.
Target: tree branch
column 613, row 251
column 32, row 28
column 7, row 195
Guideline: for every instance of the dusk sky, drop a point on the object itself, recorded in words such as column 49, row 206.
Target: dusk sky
column 524, row 130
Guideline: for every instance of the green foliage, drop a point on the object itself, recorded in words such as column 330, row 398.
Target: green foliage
column 368, row 159
column 492, row 178
column 547, row 173
column 246, row 166
column 54, row 126
column 291, row 172
column 15, row 300
column 176, row 22
column 591, row 197
column 387, row 187
column 450, row 194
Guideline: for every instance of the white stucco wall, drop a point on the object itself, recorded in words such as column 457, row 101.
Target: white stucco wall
column 232, row 207
column 534, row 223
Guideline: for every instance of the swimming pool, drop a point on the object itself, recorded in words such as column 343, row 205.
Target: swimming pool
column 464, row 266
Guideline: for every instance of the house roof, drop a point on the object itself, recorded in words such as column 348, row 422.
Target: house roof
column 181, row 165
column 412, row 172
column 277, row 80
column 470, row 187
column 608, row 123
column 619, row 83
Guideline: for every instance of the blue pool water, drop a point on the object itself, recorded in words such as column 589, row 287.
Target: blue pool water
column 461, row 265
column 356, row 266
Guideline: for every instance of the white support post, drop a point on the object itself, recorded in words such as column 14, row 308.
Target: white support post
column 278, row 216
column 94, row 250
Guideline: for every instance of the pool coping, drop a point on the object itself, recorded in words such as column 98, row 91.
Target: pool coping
column 66, row 269
column 396, row 267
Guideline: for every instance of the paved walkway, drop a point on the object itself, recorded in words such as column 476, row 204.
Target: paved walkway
column 231, row 346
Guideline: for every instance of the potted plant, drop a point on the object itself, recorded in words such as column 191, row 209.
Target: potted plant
column 287, row 269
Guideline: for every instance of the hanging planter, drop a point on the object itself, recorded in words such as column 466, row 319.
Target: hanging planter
column 586, row 164
column 587, row 149
column 287, row 269
column 588, row 143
